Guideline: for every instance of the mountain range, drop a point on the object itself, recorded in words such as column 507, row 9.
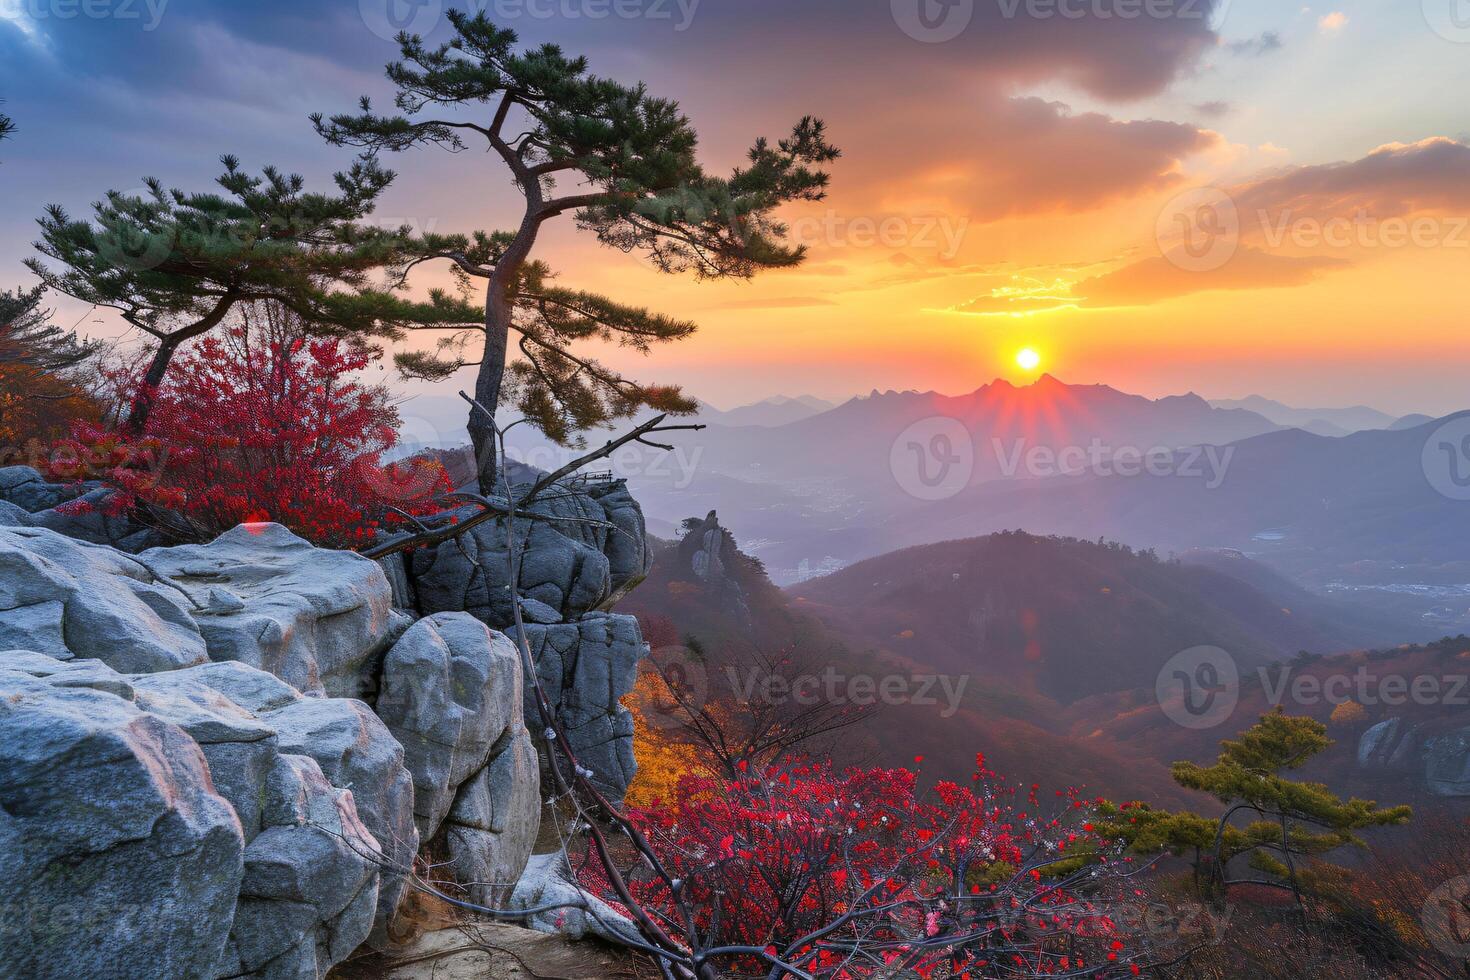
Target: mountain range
column 1319, row 421
column 1056, row 645
column 1353, row 514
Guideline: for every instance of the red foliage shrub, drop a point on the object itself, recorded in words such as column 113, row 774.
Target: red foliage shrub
column 261, row 424
column 860, row 874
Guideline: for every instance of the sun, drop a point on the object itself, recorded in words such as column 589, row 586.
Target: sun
column 1028, row 359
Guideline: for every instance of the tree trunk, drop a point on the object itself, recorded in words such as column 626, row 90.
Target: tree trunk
column 487, row 393
column 499, row 298
column 143, row 399
column 168, row 346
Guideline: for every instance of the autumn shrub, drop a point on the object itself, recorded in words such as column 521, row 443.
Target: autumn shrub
column 259, row 424
column 862, row 873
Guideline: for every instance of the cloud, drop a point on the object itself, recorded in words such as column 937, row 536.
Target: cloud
column 996, row 44
column 1333, row 22
column 1394, row 180
column 1028, row 156
column 1254, row 47
column 1213, row 110
column 1151, row 280
column 1012, row 305
column 1397, row 180
column 1158, row 278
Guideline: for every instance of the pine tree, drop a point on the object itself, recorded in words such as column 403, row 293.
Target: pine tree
column 28, row 337
column 42, row 386
column 1298, row 820
column 176, row 264
column 546, row 118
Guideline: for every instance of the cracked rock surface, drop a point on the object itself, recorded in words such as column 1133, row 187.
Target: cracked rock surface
column 188, row 836
column 320, row 620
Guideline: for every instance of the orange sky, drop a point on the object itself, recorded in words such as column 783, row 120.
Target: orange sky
column 1017, row 184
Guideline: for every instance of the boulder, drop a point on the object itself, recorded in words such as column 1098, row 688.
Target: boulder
column 320, row 620
column 310, row 888
column 119, row 858
column 28, row 500
column 304, row 885
column 1392, row 746
column 446, row 696
column 493, row 823
column 87, row 519
column 350, row 745
column 707, row 555
column 547, row 884
column 451, row 693
column 26, row 488
column 586, row 668
column 587, row 549
column 1447, row 764
column 67, row 598
column 626, row 543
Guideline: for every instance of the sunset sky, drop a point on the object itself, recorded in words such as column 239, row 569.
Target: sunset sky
column 1026, row 181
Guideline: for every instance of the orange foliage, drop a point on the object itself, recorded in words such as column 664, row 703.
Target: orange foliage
column 662, row 758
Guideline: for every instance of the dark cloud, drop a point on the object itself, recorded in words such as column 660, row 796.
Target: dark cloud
column 1399, row 179
column 118, row 98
